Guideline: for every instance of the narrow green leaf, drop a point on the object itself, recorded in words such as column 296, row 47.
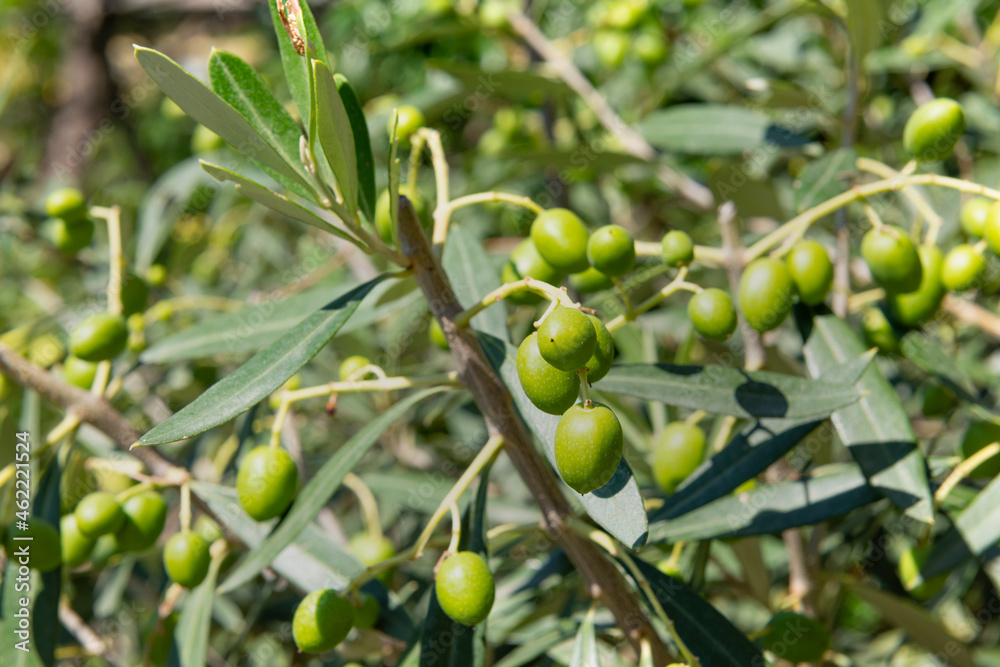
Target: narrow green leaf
column 191, row 635
column 297, row 69
column 262, row 375
column 202, row 104
column 473, row 277
column 335, row 134
column 865, row 26
column 926, row 353
column 877, row 429
column 274, row 201
column 238, row 83
column 708, row 634
column 921, row 626
column 730, row 391
column 617, row 506
column 317, row 492
column 362, row 146
column 971, row 534
column 45, row 610
column 771, row 508
column 11, row 652
column 585, row 645
column 713, row 129
column 824, row 178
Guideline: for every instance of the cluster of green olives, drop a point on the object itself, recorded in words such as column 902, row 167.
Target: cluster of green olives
column 627, row 27
column 68, row 227
column 325, row 617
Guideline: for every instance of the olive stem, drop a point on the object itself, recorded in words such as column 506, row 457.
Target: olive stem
column 702, row 253
column 185, row 511
column 883, row 170
column 624, row 294
column 980, row 246
column 695, row 417
column 456, row 528
column 962, row 470
column 141, row 487
column 442, row 204
column 113, row 216
column 548, row 311
column 677, row 284
column 584, row 386
column 417, row 143
column 369, row 506
column 528, row 284
column 490, row 197
column 858, row 301
column 872, row 215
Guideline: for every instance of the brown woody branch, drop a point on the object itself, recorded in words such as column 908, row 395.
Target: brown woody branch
column 602, row 580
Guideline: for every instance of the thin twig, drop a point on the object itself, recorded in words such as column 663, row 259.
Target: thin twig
column 971, row 313
column 92, row 644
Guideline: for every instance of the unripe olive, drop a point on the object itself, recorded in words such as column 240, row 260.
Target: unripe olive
column 588, row 446
column 548, row 388
column 878, row 331
column 409, row 119
column 493, row 13
column 186, row 558
column 156, row 275
column 604, row 352
column 991, row 229
column 203, row 140
column 678, row 451
column 892, row 258
column 765, row 293
column 611, row 47
column 525, row 261
column 465, row 588
column 383, row 212
column 372, row 550
column 677, row 248
column 933, row 130
column 76, row 546
column 145, row 514
column 561, row 240
column 712, row 314
column 99, row 514
column 795, row 638
column 68, row 237
column 937, row 401
column 611, row 250
column 811, row 271
column 135, row 294
column 291, row 384
column 98, row 337
column 105, row 547
column 366, row 612
column 651, row 46
column 322, row 620
column 914, row 308
column 267, row 482
column 350, row 366
column 78, row 372
column 44, row 551
column 978, row 436
column 908, row 569
column 566, row 338
column 973, row 216
column 963, row 265
column 66, row 203
column 436, row 334
column 590, row 281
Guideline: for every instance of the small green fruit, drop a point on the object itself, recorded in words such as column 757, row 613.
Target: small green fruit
column 590, row 281
column 910, row 562
column 99, row 514
column 78, row 372
column 548, row 388
column 322, row 620
column 795, row 638
column 973, row 216
column 436, row 334
column 186, row 558
column 350, row 367
column 937, row 401
column 135, row 294
column 712, row 314
column 409, row 119
column 811, row 271
column 611, row 47
column 383, row 212
column 978, row 436
column 105, row 547
column 651, row 46
column 465, row 588
column 963, row 265
column 525, row 261
column 100, row 336
column 991, row 229
column 567, row 339
column 145, row 514
column 371, row 550
column 914, row 308
column 765, row 293
column 604, row 353
column 878, row 331
column 677, row 248
column 588, row 446
column 76, row 546
column 678, row 452
column 611, row 250
column 68, row 237
column 66, row 203
column 366, row 612
column 44, row 550
column 157, row 275
column 933, row 130
column 892, row 258
column 561, row 240
column 267, row 482
column 203, row 140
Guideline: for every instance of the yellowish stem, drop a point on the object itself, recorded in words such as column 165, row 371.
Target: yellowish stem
column 369, row 506
column 524, row 285
column 963, row 469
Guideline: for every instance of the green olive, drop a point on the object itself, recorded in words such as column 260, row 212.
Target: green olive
column 677, row 248
column 76, row 547
column 525, row 261
column 892, row 258
column 322, row 620
column 811, row 271
column 383, row 212
column 100, row 336
column 973, row 216
column 548, row 388
column 678, row 451
column 99, row 514
column 561, row 240
column 765, row 293
column 366, row 611
column 43, row 550
column 203, row 140
column 917, row 307
column 991, row 229
column 878, row 331
column 933, row 130
column 145, row 514
column 69, row 238
column 978, row 436
column 465, row 588
column 372, row 550
column 186, row 558
column 604, row 352
column 567, row 339
column 712, row 314
column 351, row 366
column 795, row 638
column 66, row 203
column 937, row 401
column 611, row 250
column 135, row 294
column 156, row 275
column 409, row 119
column 651, row 46
column 78, row 372
column 267, row 482
column 590, row 281
column 588, row 446
column 962, row 268
column 908, row 569
column 611, row 47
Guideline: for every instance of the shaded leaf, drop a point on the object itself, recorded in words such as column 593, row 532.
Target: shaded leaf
column 713, row 129
column 585, row 645
column 318, row 491
column 926, row 353
column 824, row 178
column 971, row 534
column 335, row 134
column 362, row 147
column 877, row 429
column 473, row 277
column 262, row 375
